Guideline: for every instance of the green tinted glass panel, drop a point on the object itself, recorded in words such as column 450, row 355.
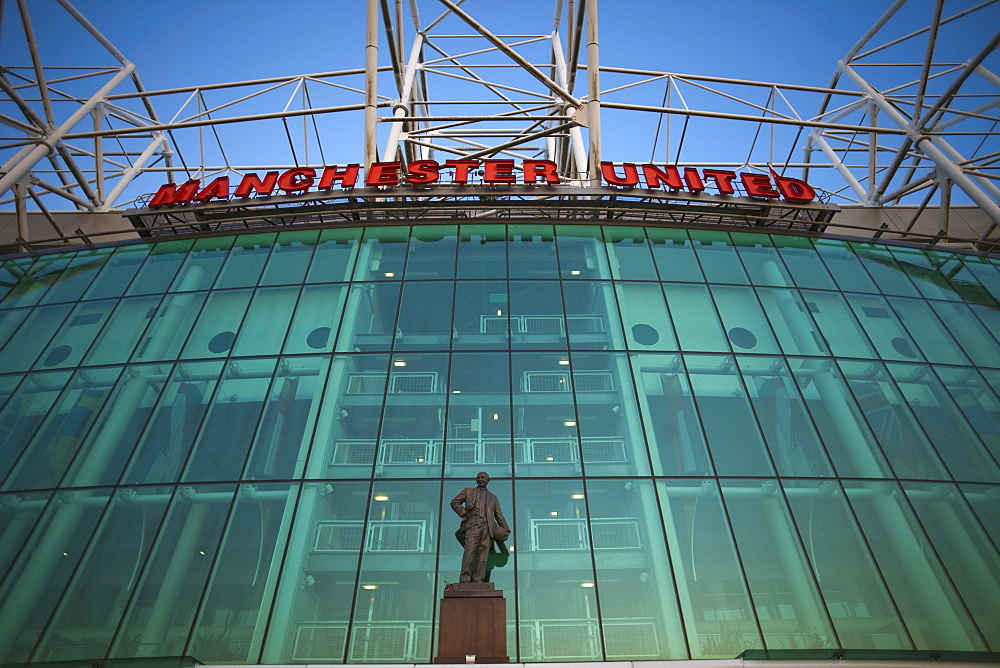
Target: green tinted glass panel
column 612, row 439
column 77, row 276
column 582, row 253
column 479, row 415
column 160, row 268
column 546, row 437
column 245, row 260
column 977, row 402
column 371, row 325
column 424, row 320
column 783, row 587
column 290, row 258
column 36, row 582
column 202, row 264
column 885, row 270
column 347, row 427
column 889, row 416
column 556, row 595
column 174, row 424
column 118, row 272
column 718, row 257
column 532, row 252
column 850, row 442
column 432, row 252
column 382, row 256
column 265, row 325
column 734, row 438
column 161, row 612
column 396, row 575
column 312, row 607
column 674, row 255
column 482, row 315
column 536, row 316
column 640, row 616
column 482, row 251
column 412, row 431
column 335, row 254
column 844, row 265
column 318, row 316
column 743, row 319
column 926, row 599
column 803, row 262
column 116, row 556
column 644, row 316
column 852, row 587
column 592, row 321
column 629, row 254
column 719, row 616
column 795, row 447
column 672, row 425
column 964, row 548
column 958, row 446
column 233, row 611
column 695, row 319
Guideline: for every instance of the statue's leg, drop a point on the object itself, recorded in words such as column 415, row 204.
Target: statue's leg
column 482, row 546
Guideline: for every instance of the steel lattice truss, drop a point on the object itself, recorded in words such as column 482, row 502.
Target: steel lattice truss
column 904, row 120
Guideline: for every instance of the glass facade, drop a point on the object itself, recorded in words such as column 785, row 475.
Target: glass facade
column 242, row 448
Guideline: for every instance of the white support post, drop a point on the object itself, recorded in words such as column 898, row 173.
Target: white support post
column 593, row 94
column 371, row 83
column 402, row 109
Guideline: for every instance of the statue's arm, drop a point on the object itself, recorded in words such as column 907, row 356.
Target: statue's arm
column 498, row 514
column 457, row 504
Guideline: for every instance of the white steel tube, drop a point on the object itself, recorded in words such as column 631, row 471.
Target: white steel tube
column 21, row 164
column 371, row 82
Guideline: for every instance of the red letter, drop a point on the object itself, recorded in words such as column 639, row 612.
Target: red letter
column 723, row 180
column 794, row 190
column 630, row 180
column 546, row 169
column 219, row 188
column 348, row 177
column 423, row 171
column 169, row 194
column 758, row 185
column 498, row 171
column 290, row 183
column 250, row 183
column 462, row 168
column 693, row 181
column 383, row 174
column 655, row 176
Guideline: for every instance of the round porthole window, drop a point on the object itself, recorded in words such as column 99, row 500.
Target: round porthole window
column 222, row 342
column 903, row 347
column 645, row 335
column 57, row 355
column 318, row 338
column 742, row 338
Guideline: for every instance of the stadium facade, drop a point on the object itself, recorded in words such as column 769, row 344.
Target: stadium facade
column 718, row 424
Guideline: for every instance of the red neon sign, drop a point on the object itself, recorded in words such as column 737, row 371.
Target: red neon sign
column 300, row 180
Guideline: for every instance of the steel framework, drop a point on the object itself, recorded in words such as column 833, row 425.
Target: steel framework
column 903, row 121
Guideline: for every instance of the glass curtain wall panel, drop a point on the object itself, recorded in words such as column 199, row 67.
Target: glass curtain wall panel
column 242, row 447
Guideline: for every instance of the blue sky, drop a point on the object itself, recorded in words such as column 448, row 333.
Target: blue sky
column 188, row 42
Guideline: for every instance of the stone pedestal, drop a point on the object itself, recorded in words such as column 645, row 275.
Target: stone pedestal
column 473, row 623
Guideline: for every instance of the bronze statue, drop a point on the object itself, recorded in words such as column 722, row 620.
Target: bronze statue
column 482, row 524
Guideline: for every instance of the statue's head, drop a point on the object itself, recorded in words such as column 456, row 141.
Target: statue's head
column 482, row 479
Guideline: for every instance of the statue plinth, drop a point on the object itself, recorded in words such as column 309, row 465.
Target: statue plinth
column 473, row 624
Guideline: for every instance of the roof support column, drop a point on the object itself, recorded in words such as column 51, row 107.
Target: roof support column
column 371, row 82
column 593, row 94
column 402, row 108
